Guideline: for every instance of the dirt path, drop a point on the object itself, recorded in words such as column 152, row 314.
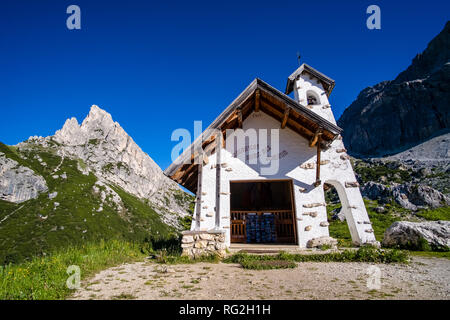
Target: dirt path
column 423, row 278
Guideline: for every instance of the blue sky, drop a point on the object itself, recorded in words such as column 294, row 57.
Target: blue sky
column 158, row 66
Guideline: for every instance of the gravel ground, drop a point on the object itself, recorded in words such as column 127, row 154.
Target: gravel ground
column 423, row 278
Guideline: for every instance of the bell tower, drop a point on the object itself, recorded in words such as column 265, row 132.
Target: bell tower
column 311, row 89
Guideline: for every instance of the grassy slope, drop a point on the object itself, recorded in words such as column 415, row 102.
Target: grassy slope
column 75, row 221
column 45, row 277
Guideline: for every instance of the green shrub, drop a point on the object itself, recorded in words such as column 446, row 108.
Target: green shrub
column 185, row 222
column 171, row 244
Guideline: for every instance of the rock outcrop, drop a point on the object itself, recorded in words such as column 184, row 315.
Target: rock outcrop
column 408, row 195
column 406, row 234
column 322, row 241
column 18, row 183
column 393, row 116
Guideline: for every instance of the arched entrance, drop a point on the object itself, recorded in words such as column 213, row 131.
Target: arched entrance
column 335, row 193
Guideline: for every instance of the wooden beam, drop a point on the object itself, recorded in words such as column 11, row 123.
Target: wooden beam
column 190, row 182
column 294, row 125
column 232, row 117
column 314, row 140
column 285, row 117
column 177, row 175
column 257, row 98
column 205, row 159
column 206, row 142
column 317, row 183
column 198, row 208
column 239, row 114
column 219, row 139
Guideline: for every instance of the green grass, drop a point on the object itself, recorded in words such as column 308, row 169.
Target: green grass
column 38, row 227
column 45, row 277
column 431, row 254
column 363, row 254
column 380, row 221
column 185, row 222
column 338, row 229
column 435, row 214
column 163, row 257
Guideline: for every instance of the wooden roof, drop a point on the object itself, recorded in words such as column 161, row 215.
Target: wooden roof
column 327, row 83
column 257, row 96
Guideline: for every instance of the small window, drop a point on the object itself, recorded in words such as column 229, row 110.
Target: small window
column 312, row 98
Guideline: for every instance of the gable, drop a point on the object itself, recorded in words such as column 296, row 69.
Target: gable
column 259, row 97
column 327, row 83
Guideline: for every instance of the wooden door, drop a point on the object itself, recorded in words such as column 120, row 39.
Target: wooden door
column 238, row 227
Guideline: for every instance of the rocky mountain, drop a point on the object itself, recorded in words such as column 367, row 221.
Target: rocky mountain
column 396, row 115
column 86, row 182
column 433, row 151
column 113, row 156
column 19, row 183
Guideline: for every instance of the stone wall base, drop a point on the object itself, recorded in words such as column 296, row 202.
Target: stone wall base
column 203, row 243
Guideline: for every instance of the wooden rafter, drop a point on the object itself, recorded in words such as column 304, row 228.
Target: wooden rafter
column 219, row 139
column 277, row 114
column 315, row 139
column 191, row 181
column 199, row 194
column 257, row 99
column 239, row 118
column 285, row 117
column 317, row 183
column 205, row 159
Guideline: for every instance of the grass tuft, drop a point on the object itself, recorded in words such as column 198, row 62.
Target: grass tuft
column 267, row 264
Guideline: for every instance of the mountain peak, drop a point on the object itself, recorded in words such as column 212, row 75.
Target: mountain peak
column 69, row 133
column 97, row 112
column 430, row 60
column 97, row 119
column 96, row 125
column 112, row 154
